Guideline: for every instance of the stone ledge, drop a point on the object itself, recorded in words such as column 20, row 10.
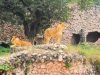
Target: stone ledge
column 43, row 53
column 53, row 47
column 42, row 61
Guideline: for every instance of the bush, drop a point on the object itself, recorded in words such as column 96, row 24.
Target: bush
column 96, row 63
column 85, row 45
column 6, row 67
column 4, row 51
column 68, row 65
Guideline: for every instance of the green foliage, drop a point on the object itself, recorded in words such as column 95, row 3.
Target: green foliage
column 82, row 53
column 96, row 63
column 88, row 46
column 4, row 51
column 85, row 4
column 26, row 70
column 6, row 67
column 89, row 50
column 68, row 65
column 85, row 45
column 96, row 2
column 47, row 9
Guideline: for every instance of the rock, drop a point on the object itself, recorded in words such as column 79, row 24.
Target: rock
column 52, row 46
column 54, row 60
column 60, row 58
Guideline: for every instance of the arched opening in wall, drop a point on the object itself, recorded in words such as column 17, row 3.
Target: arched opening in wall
column 93, row 36
column 75, row 39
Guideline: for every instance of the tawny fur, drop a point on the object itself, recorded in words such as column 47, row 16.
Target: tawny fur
column 17, row 42
column 54, row 33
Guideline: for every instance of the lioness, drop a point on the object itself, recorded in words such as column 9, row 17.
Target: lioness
column 55, row 33
column 17, row 42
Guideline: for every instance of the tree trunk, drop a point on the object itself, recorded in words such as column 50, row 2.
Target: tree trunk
column 31, row 30
column 27, row 30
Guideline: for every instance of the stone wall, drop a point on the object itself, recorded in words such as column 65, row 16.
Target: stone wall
column 8, row 30
column 88, row 21
column 47, row 60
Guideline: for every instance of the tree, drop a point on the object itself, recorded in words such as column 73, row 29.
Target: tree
column 85, row 4
column 35, row 15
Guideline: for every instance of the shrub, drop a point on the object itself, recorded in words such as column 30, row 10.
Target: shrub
column 68, row 65
column 6, row 67
column 96, row 63
column 4, row 51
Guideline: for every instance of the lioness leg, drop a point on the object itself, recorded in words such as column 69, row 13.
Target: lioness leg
column 46, row 40
column 58, row 39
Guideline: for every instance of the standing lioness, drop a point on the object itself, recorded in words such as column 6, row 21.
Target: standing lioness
column 55, row 33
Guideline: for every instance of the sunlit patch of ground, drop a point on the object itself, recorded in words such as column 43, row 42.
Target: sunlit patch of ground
column 90, row 51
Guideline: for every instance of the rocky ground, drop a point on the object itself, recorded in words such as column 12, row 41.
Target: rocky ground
column 47, row 60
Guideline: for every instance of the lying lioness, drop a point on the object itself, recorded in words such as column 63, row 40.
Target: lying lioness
column 17, row 42
column 54, row 32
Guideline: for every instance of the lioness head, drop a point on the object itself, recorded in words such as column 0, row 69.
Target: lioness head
column 13, row 39
column 60, row 26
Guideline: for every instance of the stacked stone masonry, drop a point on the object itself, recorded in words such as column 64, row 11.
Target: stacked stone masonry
column 8, row 30
column 86, row 20
column 52, row 61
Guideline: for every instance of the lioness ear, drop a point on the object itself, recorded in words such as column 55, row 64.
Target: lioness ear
column 62, row 23
column 13, row 36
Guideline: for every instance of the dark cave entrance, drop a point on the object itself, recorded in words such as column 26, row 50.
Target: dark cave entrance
column 75, row 39
column 93, row 36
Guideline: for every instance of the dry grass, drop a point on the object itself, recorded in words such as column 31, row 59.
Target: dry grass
column 90, row 51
